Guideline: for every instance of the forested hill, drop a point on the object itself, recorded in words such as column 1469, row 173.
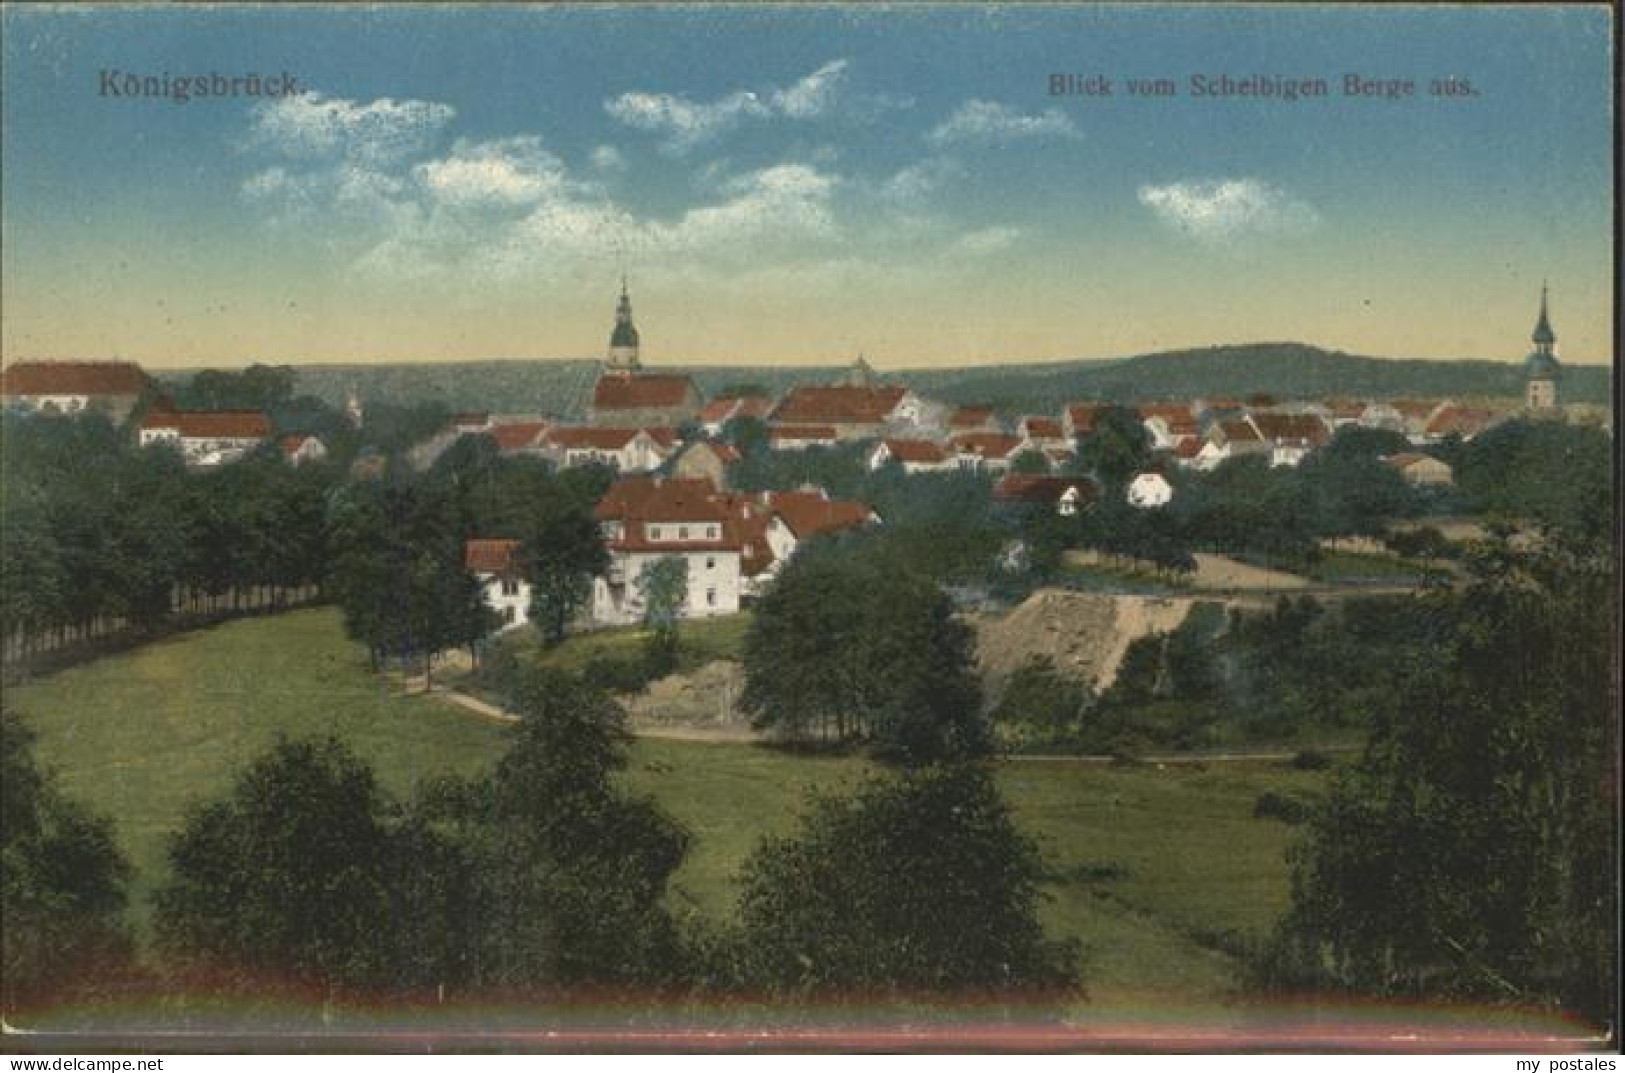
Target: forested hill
column 1286, row 370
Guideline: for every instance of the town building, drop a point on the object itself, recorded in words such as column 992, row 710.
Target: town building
column 990, row 451
column 1290, row 437
column 1067, row 496
column 1150, row 489
column 719, row 411
column 854, row 413
column 801, row 437
column 915, row 456
column 973, row 419
column 709, row 461
column 109, row 388
column 1541, row 369
column 495, row 564
column 626, row 396
column 629, row 450
column 300, row 448
column 206, row 438
column 646, row 519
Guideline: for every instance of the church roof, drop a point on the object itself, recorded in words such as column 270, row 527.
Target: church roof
column 73, row 378
column 1543, row 326
column 643, row 391
column 1541, row 365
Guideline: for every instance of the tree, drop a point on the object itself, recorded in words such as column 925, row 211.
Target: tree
column 63, row 882
column 920, row 882
column 851, row 645
column 663, row 584
column 562, row 553
column 1030, row 461
column 289, row 877
column 1116, row 447
column 571, row 872
column 1468, row 854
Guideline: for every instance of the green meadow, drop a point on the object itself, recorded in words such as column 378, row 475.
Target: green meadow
column 1161, row 871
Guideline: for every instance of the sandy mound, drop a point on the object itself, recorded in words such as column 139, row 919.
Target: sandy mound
column 705, row 700
column 1084, row 634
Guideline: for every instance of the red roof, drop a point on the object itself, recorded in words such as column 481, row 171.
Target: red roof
column 1039, row 488
column 802, row 432
column 517, row 435
column 1239, row 430
column 810, row 513
column 599, row 439
column 293, row 441
column 970, row 417
column 728, row 407
column 644, row 391
column 1188, row 448
column 1042, row 428
column 212, row 424
column 914, row 451
column 490, row 556
column 1465, row 421
column 1302, row 429
column 1083, row 415
column 73, row 378
column 1414, row 408
column 470, row 419
column 661, row 499
column 987, row 444
column 839, row 405
column 1406, row 459
column 1168, row 411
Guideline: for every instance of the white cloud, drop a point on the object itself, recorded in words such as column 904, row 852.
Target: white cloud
column 507, row 172
column 684, row 123
column 813, row 95
column 922, row 178
column 608, row 158
column 314, row 127
column 1218, row 211
column 989, row 121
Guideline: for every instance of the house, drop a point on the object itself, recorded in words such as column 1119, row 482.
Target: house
column 1150, row 489
column 1229, row 438
column 1290, row 436
column 992, row 451
column 469, row 421
column 707, row 461
column 775, row 524
column 206, row 438
column 1188, row 453
column 1343, row 411
column 644, row 519
column 637, row 399
column 495, row 564
column 854, row 412
column 1067, row 495
column 1416, row 414
column 1044, row 434
column 719, row 411
column 630, row 450
column 801, row 437
column 1463, row 421
column 110, row 388
column 973, row 419
column 519, row 437
column 300, row 448
column 1423, row 471
column 1169, row 424
column 915, row 456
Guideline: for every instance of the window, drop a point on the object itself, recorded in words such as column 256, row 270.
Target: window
column 710, row 532
column 654, row 532
column 710, row 562
column 682, row 532
column 507, row 615
column 510, row 586
column 710, row 597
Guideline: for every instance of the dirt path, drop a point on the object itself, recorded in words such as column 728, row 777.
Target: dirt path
column 487, row 711
column 1224, row 573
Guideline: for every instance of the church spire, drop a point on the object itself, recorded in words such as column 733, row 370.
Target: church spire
column 1544, row 337
column 623, row 341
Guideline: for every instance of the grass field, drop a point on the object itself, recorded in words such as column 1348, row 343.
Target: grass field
column 1155, row 869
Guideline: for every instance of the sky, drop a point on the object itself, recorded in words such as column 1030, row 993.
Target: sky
column 800, row 185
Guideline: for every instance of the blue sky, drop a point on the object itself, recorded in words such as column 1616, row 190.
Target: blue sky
column 802, row 184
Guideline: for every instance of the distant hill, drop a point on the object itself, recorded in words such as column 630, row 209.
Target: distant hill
column 1286, row 370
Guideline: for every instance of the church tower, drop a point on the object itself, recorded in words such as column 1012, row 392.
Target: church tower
column 352, row 407
column 1541, row 369
column 623, row 341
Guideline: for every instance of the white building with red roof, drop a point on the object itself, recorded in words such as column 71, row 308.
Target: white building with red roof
column 915, row 456
column 206, row 438
column 646, row 519
column 300, row 448
column 629, row 450
column 495, row 563
column 801, row 437
column 990, row 451
column 111, row 388
column 853, row 412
